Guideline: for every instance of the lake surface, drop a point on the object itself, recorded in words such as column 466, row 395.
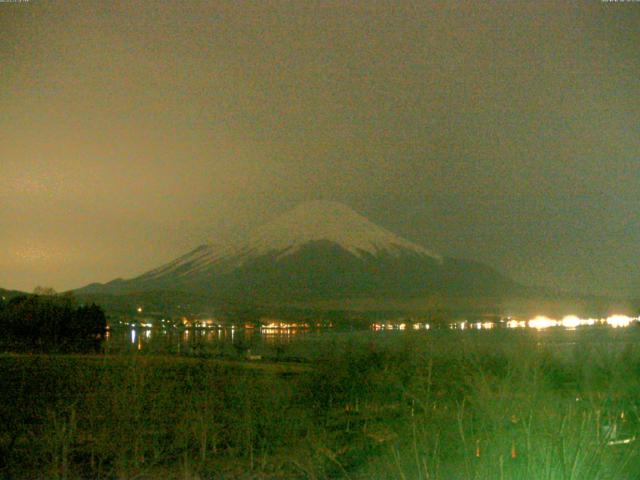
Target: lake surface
column 298, row 344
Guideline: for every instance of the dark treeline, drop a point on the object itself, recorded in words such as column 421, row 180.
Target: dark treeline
column 50, row 323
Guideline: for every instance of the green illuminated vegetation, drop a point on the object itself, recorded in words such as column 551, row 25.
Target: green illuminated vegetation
column 438, row 405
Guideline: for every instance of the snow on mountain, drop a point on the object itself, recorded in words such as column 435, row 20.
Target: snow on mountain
column 309, row 222
column 331, row 221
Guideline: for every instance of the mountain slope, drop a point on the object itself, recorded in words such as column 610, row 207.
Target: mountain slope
column 317, row 250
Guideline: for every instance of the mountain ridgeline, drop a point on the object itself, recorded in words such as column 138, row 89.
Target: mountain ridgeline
column 319, row 250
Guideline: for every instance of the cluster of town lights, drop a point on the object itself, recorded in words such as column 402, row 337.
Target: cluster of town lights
column 541, row 322
column 572, row 321
column 399, row 326
column 283, row 326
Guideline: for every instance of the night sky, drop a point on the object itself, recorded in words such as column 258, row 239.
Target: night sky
column 506, row 132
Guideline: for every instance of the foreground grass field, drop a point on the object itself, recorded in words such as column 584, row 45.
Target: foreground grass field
column 412, row 407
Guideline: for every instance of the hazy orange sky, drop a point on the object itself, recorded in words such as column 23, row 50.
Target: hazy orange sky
column 506, row 132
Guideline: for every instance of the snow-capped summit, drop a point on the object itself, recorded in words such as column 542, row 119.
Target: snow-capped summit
column 329, row 221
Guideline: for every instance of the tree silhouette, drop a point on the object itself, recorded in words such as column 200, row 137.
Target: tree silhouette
column 46, row 323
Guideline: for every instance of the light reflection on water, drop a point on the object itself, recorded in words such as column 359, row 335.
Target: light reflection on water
column 139, row 337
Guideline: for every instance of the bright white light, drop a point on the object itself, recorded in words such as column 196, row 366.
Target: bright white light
column 133, row 336
column 616, row 321
column 541, row 322
column 571, row 321
column 487, row 325
column 139, row 309
column 516, row 324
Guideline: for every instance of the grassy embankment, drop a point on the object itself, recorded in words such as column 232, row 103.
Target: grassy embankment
column 413, row 407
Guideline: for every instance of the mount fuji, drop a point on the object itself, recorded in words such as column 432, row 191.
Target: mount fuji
column 318, row 250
